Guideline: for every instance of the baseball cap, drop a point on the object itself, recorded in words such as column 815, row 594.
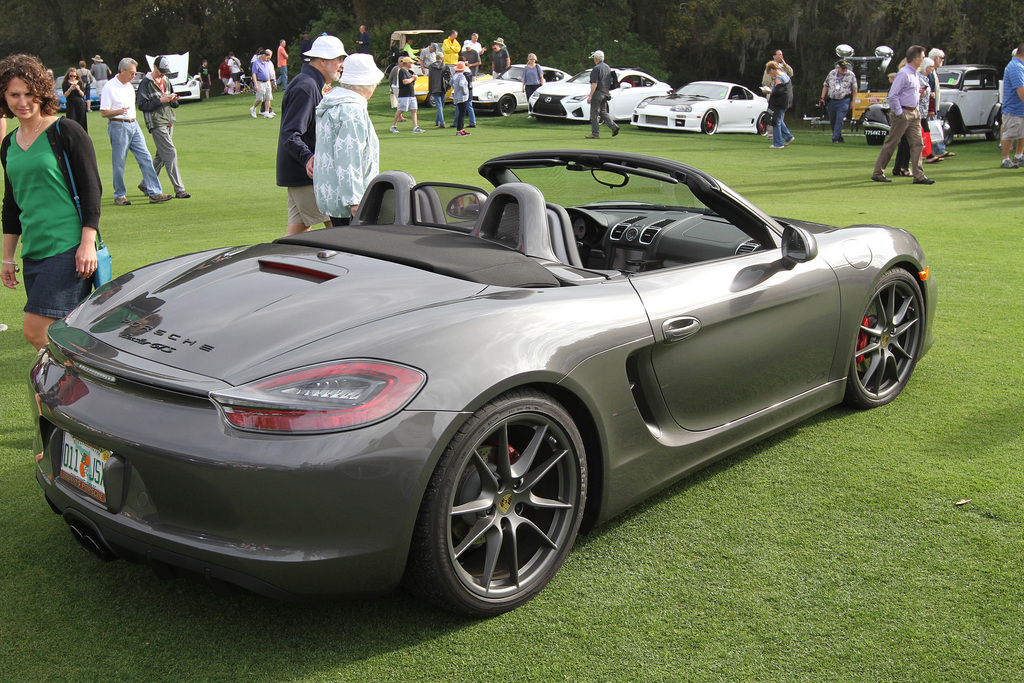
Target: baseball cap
column 164, row 66
column 326, row 47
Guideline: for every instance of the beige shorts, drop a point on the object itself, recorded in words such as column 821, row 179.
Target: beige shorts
column 302, row 207
column 1013, row 127
column 264, row 93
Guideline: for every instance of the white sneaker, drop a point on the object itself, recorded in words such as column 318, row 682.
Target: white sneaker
column 252, row 110
column 268, row 116
column 394, row 129
column 417, row 129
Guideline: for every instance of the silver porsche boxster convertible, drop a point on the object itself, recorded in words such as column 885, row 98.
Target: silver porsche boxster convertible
column 446, row 392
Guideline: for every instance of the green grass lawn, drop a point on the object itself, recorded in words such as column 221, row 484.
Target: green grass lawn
column 835, row 550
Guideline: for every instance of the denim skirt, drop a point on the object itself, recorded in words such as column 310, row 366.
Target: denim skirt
column 53, row 286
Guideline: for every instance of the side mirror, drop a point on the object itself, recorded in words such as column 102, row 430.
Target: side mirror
column 798, row 246
column 625, row 85
column 466, row 205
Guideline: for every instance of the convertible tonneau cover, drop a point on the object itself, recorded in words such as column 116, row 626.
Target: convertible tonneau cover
column 433, row 249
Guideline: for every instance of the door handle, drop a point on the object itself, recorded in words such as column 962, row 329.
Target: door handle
column 676, row 329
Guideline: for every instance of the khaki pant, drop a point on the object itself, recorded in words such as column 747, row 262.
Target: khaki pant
column 908, row 123
column 166, row 156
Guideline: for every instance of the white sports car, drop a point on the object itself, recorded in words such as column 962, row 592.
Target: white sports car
column 568, row 100
column 707, row 107
column 504, row 95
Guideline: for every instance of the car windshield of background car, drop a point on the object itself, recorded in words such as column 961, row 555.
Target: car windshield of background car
column 703, row 90
column 514, row 73
column 581, row 77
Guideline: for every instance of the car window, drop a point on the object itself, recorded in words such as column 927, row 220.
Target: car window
column 581, row 77
column 447, row 205
column 551, row 75
column 949, row 78
column 514, row 73
column 980, row 80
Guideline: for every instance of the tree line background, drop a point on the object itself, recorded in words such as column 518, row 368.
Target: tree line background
column 677, row 40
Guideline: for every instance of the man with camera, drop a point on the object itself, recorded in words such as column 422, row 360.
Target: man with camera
column 157, row 101
column 837, row 92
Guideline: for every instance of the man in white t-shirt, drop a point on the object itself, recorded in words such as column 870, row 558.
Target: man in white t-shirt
column 117, row 105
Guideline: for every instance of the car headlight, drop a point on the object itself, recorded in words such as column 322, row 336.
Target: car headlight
column 535, row 96
column 488, row 95
column 322, row 398
column 682, row 107
column 576, row 98
column 643, row 105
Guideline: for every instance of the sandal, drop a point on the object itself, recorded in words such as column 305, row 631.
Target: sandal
column 948, row 154
column 932, row 160
column 903, row 172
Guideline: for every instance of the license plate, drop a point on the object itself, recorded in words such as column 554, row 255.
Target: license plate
column 875, row 132
column 81, row 466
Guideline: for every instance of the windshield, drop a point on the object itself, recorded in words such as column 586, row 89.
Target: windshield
column 948, row 78
column 706, row 91
column 514, row 73
column 581, row 77
column 610, row 186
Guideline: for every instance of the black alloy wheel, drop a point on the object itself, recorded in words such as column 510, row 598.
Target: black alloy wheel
column 888, row 342
column 502, row 509
column 506, row 105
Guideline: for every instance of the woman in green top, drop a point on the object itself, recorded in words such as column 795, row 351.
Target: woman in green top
column 51, row 198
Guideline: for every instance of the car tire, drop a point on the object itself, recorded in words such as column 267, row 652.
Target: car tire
column 709, row 123
column 762, row 127
column 952, row 119
column 888, row 343
column 995, row 128
column 502, row 509
column 506, row 105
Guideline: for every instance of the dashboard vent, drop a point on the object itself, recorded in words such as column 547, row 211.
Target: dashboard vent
column 748, row 247
column 648, row 234
column 620, row 227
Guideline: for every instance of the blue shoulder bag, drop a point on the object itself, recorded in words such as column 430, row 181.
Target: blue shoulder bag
column 104, row 268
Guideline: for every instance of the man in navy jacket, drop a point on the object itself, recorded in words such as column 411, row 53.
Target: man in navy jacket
column 297, row 139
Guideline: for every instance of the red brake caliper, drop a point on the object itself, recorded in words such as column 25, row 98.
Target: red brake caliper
column 862, row 339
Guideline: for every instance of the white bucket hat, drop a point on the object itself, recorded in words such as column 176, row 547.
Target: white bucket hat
column 360, row 70
column 326, row 47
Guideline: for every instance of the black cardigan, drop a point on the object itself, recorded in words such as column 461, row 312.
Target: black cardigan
column 82, row 157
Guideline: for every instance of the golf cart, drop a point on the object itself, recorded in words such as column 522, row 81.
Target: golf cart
column 398, row 38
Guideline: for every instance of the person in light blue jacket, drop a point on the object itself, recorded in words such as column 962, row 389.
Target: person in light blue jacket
column 347, row 153
column 460, row 96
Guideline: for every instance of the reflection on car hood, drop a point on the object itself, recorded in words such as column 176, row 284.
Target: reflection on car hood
column 218, row 313
column 564, row 89
column 674, row 99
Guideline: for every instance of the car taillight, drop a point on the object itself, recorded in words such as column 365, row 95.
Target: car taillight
column 321, row 398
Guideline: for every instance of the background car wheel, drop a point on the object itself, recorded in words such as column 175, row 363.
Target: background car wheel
column 762, row 126
column 888, row 343
column 506, row 105
column 709, row 124
column 502, row 509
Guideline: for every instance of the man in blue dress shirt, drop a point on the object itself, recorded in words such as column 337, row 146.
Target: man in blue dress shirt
column 904, row 119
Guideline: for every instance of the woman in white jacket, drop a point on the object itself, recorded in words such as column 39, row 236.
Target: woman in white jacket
column 347, row 155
